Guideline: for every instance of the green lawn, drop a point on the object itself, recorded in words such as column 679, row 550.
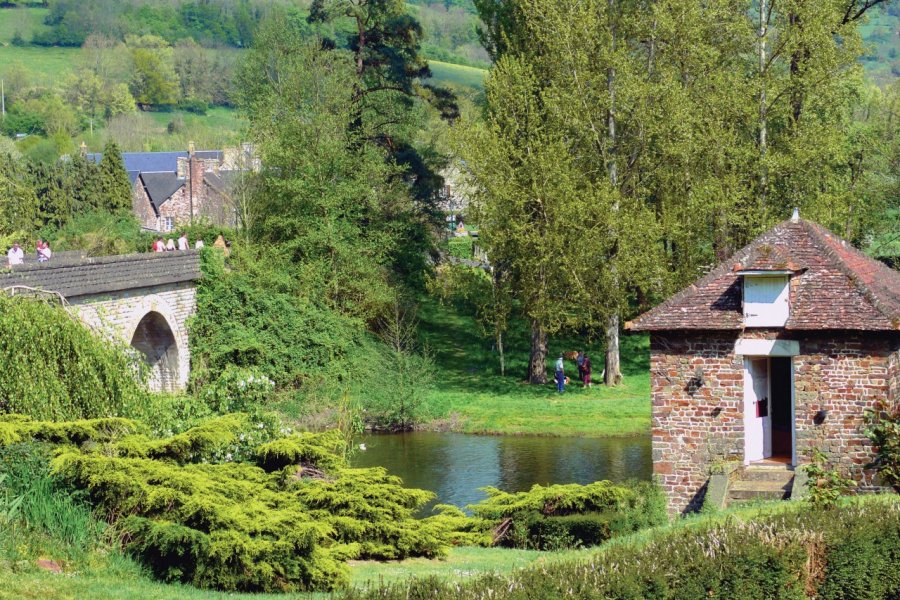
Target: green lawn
column 120, row 579
column 45, row 66
column 471, row 396
column 460, row 75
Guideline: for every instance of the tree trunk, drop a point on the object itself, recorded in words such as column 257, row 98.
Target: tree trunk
column 500, row 350
column 613, row 372
column 537, row 364
column 613, row 375
column 763, row 116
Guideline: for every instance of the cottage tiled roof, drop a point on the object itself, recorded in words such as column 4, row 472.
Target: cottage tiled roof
column 834, row 286
column 161, row 186
column 87, row 276
column 140, row 162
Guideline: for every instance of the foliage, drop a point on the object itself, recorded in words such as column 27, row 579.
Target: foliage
column 883, row 430
column 98, row 233
column 558, row 516
column 793, row 554
column 826, row 486
column 238, row 390
column 55, row 368
column 282, row 516
column 461, row 247
column 49, row 519
column 252, row 315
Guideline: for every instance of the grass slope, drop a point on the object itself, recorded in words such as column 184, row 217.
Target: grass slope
column 111, row 576
column 461, row 75
column 471, row 396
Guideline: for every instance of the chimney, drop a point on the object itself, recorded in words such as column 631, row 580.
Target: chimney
column 83, row 149
column 191, row 148
column 795, row 218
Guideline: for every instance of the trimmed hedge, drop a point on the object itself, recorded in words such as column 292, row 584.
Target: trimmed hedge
column 849, row 553
column 461, row 247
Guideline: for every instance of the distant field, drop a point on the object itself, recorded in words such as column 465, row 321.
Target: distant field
column 25, row 21
column 461, row 75
column 46, row 66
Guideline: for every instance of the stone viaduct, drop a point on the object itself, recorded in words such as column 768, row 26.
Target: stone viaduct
column 142, row 299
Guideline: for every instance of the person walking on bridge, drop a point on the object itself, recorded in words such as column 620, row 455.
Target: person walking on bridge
column 15, row 256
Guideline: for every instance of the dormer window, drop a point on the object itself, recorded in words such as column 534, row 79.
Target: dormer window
column 766, row 298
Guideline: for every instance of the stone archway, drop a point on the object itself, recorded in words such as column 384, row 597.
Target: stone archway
column 155, row 340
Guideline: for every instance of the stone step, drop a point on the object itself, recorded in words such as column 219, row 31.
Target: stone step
column 772, row 490
column 781, row 474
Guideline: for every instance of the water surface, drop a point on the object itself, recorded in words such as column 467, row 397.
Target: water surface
column 455, row 465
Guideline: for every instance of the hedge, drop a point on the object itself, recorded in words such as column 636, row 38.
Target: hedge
column 850, row 553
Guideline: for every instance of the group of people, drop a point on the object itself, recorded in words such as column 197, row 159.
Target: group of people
column 16, row 255
column 582, row 361
column 161, row 246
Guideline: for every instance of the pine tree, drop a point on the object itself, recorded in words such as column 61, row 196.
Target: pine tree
column 114, row 188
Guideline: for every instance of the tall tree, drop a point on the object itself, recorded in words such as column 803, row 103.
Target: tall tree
column 328, row 196
column 113, row 186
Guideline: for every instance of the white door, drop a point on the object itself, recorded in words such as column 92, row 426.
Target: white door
column 757, row 410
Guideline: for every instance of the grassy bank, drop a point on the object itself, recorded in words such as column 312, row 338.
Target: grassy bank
column 471, row 396
column 111, row 576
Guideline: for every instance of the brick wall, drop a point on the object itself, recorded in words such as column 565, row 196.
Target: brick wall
column 119, row 315
column 698, row 402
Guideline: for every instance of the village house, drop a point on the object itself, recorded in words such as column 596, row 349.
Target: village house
column 775, row 352
column 173, row 189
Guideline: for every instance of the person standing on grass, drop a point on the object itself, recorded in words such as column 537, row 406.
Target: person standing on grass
column 579, row 361
column 560, row 375
column 586, row 371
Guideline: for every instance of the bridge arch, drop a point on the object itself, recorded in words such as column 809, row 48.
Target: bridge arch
column 156, row 340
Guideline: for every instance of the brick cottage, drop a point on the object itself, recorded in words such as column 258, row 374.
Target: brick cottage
column 777, row 351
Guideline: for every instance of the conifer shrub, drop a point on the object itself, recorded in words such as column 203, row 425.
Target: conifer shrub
column 558, row 516
column 238, row 503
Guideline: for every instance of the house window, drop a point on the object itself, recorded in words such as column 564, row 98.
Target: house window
column 766, row 301
column 168, row 223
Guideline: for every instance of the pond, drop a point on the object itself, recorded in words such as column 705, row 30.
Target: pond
column 455, row 465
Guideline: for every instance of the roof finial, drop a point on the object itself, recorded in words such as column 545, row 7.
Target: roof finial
column 796, row 216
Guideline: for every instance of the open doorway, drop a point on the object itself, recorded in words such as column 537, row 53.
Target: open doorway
column 768, row 409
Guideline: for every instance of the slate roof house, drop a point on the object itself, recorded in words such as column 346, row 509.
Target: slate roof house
column 171, row 189
column 775, row 352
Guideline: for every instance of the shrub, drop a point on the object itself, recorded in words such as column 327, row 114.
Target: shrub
column 236, row 504
column 792, row 554
column 238, row 390
column 883, row 429
column 461, row 247
column 826, row 486
column 55, row 368
column 548, row 518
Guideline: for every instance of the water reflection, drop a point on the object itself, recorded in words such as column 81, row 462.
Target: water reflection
column 455, row 465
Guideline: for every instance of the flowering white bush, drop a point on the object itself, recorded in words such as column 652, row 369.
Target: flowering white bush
column 239, row 390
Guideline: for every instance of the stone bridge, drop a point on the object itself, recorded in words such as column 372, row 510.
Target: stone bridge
column 142, row 299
